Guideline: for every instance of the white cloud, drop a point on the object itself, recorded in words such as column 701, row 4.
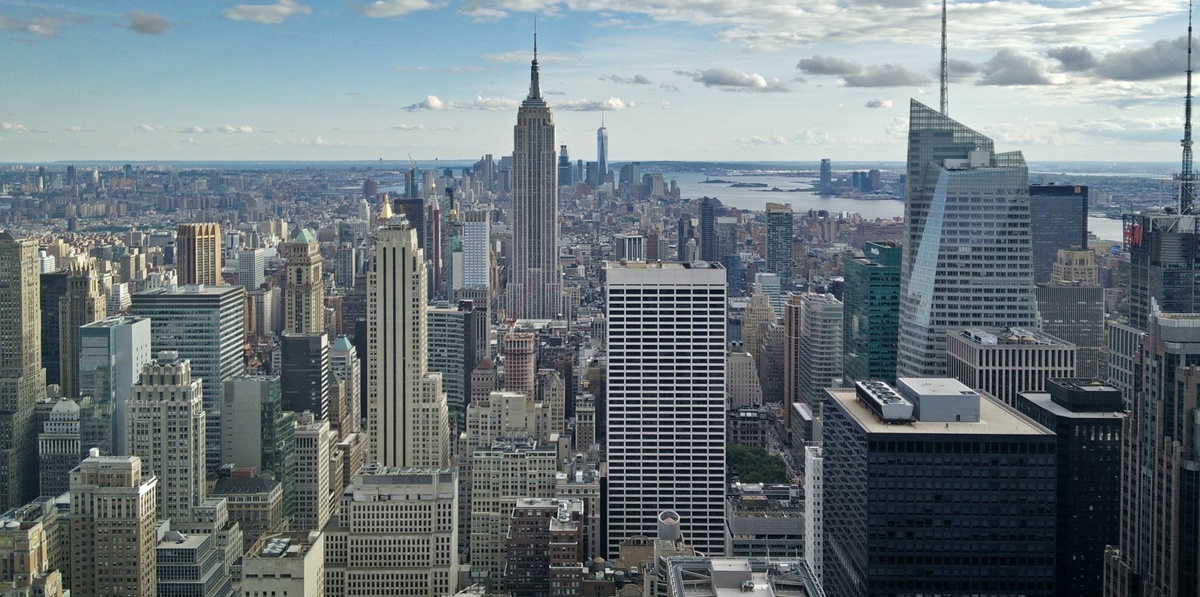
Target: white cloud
column 13, row 127
column 382, row 9
column 266, row 14
column 879, row 103
column 611, row 104
column 885, row 75
column 634, row 80
column 728, row 79
column 408, row 127
column 488, row 104
column 41, row 26
column 77, row 129
column 149, row 128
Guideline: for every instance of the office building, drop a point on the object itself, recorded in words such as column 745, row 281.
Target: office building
column 826, row 177
column 82, row 305
column 198, row 253
column 1004, row 363
column 1058, row 221
column 53, row 288
column 304, row 286
column 477, row 250
column 252, row 264
column 291, row 564
column 544, row 547
column 113, row 521
column 686, row 575
column 313, row 475
column 535, row 288
column 820, row 346
column 1072, row 308
column 305, row 373
column 33, row 542
column 1086, row 416
column 630, row 246
column 22, row 378
column 255, row 503
column 407, row 416
column 771, row 286
column 166, row 430
column 189, row 566
column 454, row 351
column 871, row 312
column 1160, row 474
column 59, row 451
column 520, row 360
column 708, row 230
column 685, row 237
column 112, row 353
column 259, row 433
column 960, row 193
column 764, row 521
column 343, row 362
column 814, row 511
column 346, row 266
column 565, row 170
column 758, row 318
column 263, row 317
column 395, row 533
column 931, row 488
column 502, row 473
column 601, row 154
column 779, row 243
column 204, row 324
column 665, row 372
column 741, row 381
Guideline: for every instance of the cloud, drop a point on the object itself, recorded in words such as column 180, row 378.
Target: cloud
column 41, row 26
column 410, row 69
column 879, row 103
column 431, row 102
column 1073, row 58
column 611, row 104
column 635, row 80
column 148, row 128
column 960, row 70
column 828, row 65
column 801, row 138
column 225, row 128
column 885, row 75
column 666, row 105
column 146, row 23
column 266, row 14
column 1008, row 67
column 408, row 127
column 487, row 104
column 671, row 88
column 382, row 9
column 354, row 93
column 77, row 129
column 520, row 56
column 728, row 79
column 12, row 127
column 1164, row 58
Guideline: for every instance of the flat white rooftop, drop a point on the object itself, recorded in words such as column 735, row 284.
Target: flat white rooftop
column 994, row 418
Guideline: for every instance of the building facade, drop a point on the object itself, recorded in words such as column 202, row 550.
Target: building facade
column 304, row 286
column 1058, row 221
column 871, row 318
column 198, row 253
column 666, row 372
column 22, row 378
column 113, row 520
column 1004, row 363
column 112, row 353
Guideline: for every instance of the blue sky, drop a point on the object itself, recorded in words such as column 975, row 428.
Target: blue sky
column 677, row 79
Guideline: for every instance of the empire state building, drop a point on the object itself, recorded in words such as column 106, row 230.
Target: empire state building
column 535, row 288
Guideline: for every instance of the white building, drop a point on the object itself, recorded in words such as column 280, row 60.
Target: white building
column 741, row 380
column 820, row 342
column 291, row 564
column 166, row 429
column 407, row 415
column 477, row 250
column 312, row 474
column 252, row 264
column 395, row 534
column 814, row 511
column 666, row 400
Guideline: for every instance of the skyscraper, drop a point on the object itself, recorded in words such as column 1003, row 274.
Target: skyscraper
column 535, row 289
column 966, row 260
column 820, row 346
column 708, row 230
column 601, row 153
column 304, row 288
column 1058, row 221
column 198, row 253
column 407, row 418
column 82, row 305
column 112, row 353
column 871, row 318
column 564, row 167
column 166, row 430
column 779, row 243
column 305, row 370
column 666, row 372
column 477, row 250
column 826, row 177
column 204, row 324
column 22, row 378
column 259, row 433
column 1072, row 308
column 1160, row 471
column 343, row 361
column 113, row 518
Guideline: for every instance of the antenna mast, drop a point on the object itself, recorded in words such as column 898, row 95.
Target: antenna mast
column 945, row 67
column 1187, row 177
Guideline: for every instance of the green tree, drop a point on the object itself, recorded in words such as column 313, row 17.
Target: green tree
column 753, row 465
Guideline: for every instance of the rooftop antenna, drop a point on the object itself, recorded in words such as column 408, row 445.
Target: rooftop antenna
column 946, row 66
column 1187, row 177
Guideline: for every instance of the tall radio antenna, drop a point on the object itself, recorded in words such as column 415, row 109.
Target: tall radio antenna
column 945, row 67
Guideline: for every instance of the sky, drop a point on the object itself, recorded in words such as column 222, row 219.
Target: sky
column 745, row 80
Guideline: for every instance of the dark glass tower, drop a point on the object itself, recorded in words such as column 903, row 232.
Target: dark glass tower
column 871, row 318
column 1057, row 220
column 708, row 230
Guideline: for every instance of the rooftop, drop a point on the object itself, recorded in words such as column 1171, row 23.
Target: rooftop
column 243, row 485
column 1009, row 337
column 995, row 418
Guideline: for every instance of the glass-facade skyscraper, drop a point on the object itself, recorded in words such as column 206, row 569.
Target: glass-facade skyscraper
column 1057, row 220
column 871, row 313
column 966, row 260
column 779, row 243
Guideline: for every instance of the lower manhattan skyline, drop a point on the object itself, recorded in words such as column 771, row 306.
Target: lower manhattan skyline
column 290, row 80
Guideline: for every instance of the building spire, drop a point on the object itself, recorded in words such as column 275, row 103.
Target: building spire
column 535, row 86
column 1187, row 177
column 945, row 67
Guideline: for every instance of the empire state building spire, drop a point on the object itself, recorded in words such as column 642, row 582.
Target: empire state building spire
column 535, row 86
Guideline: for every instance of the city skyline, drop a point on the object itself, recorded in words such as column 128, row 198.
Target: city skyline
column 225, row 81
